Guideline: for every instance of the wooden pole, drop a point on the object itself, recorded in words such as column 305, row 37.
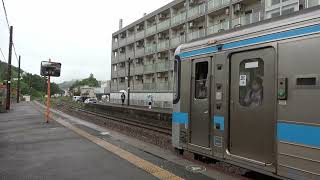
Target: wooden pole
column 18, row 89
column 9, row 71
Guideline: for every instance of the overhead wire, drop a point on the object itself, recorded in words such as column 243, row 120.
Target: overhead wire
column 3, row 56
column 6, row 15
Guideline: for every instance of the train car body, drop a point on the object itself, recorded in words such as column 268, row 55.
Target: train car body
column 251, row 96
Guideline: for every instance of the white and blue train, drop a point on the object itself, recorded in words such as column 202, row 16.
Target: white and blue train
column 251, row 96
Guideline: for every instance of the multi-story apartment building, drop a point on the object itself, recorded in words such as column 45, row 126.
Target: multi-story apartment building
column 150, row 42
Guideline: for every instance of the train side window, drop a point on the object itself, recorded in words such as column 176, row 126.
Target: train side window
column 201, row 80
column 251, row 82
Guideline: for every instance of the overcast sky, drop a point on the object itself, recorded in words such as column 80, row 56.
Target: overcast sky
column 76, row 33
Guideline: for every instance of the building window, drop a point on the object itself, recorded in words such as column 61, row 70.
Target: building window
column 276, row 8
column 311, row 3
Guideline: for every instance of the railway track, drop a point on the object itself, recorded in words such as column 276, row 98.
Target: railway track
column 132, row 122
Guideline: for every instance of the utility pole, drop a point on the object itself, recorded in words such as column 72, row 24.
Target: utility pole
column 9, row 71
column 18, row 89
column 129, row 62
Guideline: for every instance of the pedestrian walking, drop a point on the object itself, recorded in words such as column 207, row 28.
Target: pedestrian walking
column 123, row 98
column 150, row 100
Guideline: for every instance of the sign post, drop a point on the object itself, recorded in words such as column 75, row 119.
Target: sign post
column 49, row 69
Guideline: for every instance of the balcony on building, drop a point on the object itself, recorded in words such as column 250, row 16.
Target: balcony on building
column 163, row 40
column 164, row 20
column 130, row 51
column 138, row 82
column 130, row 36
column 178, row 36
column 123, row 39
column 122, row 85
column 245, row 18
column 217, row 4
column 179, row 14
column 139, row 48
column 162, row 63
column 275, row 8
column 151, row 45
column 138, row 66
column 149, row 82
column 114, row 72
column 311, row 3
column 218, row 21
column 151, row 26
column 114, row 56
column 115, row 42
column 196, row 8
column 140, row 31
column 162, row 81
column 121, row 69
column 122, row 54
column 196, row 29
column 149, row 66
column 114, row 84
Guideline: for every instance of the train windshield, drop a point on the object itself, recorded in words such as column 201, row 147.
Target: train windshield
column 177, row 73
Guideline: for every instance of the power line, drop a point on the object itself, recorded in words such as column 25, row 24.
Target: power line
column 5, row 12
column 3, row 55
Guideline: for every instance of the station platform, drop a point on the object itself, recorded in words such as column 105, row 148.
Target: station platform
column 69, row 148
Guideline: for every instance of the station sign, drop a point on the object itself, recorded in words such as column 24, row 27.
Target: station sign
column 50, row 69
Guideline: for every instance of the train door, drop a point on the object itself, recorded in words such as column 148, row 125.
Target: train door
column 200, row 121
column 252, row 105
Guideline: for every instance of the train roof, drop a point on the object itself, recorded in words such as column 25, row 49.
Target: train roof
column 294, row 20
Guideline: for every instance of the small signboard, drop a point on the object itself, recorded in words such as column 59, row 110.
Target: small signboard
column 50, row 69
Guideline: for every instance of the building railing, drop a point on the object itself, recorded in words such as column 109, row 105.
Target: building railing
column 122, row 57
column 218, row 27
column 138, row 69
column 149, row 86
column 130, row 38
column 114, row 74
column 176, row 41
column 214, row 4
column 115, row 44
column 122, row 86
column 150, row 48
column 163, row 25
column 162, row 45
column 138, row 86
column 196, row 34
column 178, row 18
column 149, row 68
column 122, row 72
column 162, row 66
column 122, row 42
column 114, row 87
column 139, row 52
column 151, row 30
column 130, row 54
column 114, row 58
column 197, row 10
column 162, row 86
column 311, row 3
column 140, row 34
column 246, row 19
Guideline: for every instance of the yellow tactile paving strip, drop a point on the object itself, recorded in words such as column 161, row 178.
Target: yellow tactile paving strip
column 133, row 159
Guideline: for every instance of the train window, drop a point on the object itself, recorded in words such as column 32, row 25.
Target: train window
column 201, row 80
column 177, row 78
column 251, row 82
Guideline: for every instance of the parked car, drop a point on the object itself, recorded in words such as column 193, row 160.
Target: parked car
column 76, row 98
column 90, row 101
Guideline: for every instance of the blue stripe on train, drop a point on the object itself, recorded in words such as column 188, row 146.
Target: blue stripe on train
column 266, row 38
column 219, row 120
column 180, row 117
column 299, row 134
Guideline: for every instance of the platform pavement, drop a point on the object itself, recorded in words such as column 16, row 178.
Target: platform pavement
column 32, row 149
